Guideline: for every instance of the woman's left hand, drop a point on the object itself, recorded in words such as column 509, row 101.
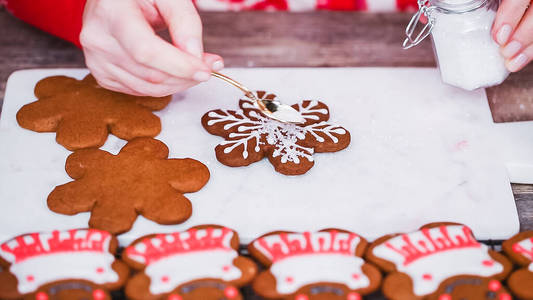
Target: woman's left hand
column 513, row 31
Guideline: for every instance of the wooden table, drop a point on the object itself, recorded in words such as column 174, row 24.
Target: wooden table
column 319, row 39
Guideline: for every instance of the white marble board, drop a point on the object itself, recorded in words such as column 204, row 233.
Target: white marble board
column 421, row 151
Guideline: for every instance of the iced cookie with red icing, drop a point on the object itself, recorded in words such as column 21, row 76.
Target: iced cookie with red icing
column 250, row 136
column 520, row 249
column 327, row 264
column 420, row 263
column 73, row 264
column 200, row 263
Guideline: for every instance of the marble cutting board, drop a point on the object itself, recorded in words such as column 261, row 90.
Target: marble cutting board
column 419, row 153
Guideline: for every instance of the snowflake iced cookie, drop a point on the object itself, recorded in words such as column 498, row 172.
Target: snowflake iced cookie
column 419, row 263
column 83, row 114
column 520, row 249
column 326, row 264
column 250, row 136
column 200, row 263
column 140, row 180
column 73, row 264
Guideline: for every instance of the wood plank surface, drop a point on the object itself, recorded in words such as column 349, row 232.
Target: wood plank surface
column 262, row 39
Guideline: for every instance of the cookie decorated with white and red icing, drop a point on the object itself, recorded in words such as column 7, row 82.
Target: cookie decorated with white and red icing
column 520, row 249
column 419, row 263
column 327, row 264
column 250, row 136
column 200, row 263
column 73, row 264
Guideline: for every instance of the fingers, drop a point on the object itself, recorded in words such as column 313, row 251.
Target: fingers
column 518, row 50
column 214, row 61
column 521, row 60
column 146, row 48
column 508, row 17
column 184, row 25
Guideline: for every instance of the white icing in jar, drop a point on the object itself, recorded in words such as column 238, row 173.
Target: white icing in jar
column 465, row 51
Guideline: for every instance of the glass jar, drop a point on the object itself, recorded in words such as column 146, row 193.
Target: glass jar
column 466, row 54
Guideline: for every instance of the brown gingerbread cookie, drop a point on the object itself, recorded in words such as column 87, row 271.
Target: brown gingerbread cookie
column 200, row 263
column 470, row 287
column 519, row 249
column 140, row 180
column 73, row 264
column 82, row 113
column 327, row 264
column 250, row 136
column 419, row 263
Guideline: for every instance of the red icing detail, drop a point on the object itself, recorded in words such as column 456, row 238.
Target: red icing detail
column 355, row 276
column 31, row 245
column 98, row 295
column 445, row 297
column 165, row 279
column 99, row 270
column 494, row 285
column 301, row 297
column 181, row 243
column 427, row 276
column 353, row 296
column 30, row 278
column 488, row 263
column 174, row 297
column 461, row 145
column 289, row 279
column 231, row 292
column 412, row 252
column 41, row 296
column 505, row 296
column 277, row 251
column 528, row 253
column 226, row 268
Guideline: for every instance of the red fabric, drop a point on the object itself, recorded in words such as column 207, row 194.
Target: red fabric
column 61, row 18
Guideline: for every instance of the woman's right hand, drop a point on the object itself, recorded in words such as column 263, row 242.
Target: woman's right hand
column 125, row 54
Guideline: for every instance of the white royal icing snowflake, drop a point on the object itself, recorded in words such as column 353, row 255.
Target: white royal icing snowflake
column 250, row 136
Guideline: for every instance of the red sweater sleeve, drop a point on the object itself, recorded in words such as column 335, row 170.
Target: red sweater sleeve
column 61, row 18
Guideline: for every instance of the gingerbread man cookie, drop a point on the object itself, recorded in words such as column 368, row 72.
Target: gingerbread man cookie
column 420, row 262
column 73, row 264
column 83, row 114
column 471, row 287
column 140, row 180
column 326, row 264
column 520, row 249
column 250, row 136
column 200, row 263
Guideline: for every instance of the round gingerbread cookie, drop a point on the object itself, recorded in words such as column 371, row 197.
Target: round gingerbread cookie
column 200, row 263
column 61, row 265
column 520, row 249
column 327, row 264
column 418, row 263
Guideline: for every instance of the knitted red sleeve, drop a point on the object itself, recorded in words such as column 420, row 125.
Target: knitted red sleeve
column 61, row 18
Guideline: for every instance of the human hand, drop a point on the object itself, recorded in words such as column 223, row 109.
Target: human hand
column 513, row 31
column 125, row 54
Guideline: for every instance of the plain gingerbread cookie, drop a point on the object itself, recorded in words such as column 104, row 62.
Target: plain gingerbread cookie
column 83, row 114
column 250, row 136
column 139, row 180
column 72, row 264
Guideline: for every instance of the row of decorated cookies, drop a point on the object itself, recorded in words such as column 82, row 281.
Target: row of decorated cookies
column 439, row 261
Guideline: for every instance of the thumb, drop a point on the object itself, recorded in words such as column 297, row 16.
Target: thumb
column 183, row 23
